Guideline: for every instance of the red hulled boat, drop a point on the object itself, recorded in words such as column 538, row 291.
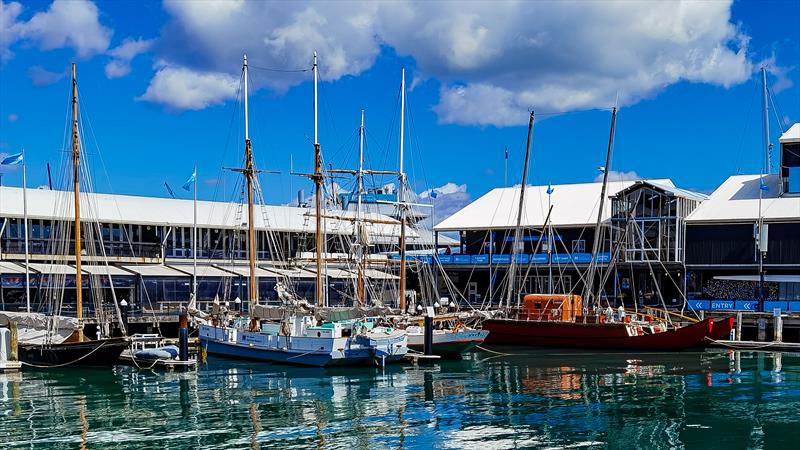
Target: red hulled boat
column 552, row 321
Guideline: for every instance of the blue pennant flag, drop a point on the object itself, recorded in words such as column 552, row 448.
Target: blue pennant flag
column 506, row 153
column 434, row 194
column 549, row 189
column 763, row 187
column 12, row 160
column 188, row 184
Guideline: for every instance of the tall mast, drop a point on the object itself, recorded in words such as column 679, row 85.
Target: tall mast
column 520, row 208
column 27, row 229
column 249, row 172
column 401, row 194
column 194, row 237
column 317, row 188
column 765, row 122
column 766, row 167
column 596, row 244
column 76, row 187
column 360, row 262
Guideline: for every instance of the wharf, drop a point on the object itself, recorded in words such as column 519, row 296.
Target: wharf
column 757, row 345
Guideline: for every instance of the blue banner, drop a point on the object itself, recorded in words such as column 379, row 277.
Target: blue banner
column 480, row 259
column 501, row 259
column 462, row 259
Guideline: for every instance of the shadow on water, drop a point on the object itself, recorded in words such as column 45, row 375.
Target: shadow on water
column 527, row 398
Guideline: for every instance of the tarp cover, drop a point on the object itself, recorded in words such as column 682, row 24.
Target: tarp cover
column 38, row 329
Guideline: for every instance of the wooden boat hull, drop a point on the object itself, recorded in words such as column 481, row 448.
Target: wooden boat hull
column 611, row 336
column 722, row 329
column 449, row 344
column 100, row 353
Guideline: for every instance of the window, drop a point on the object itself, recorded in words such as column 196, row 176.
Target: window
column 579, row 246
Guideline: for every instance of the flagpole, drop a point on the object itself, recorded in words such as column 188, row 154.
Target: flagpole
column 194, row 238
column 25, row 218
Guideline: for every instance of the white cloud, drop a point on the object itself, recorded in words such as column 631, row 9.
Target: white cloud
column 495, row 60
column 74, row 24
column 498, row 59
column 181, row 88
column 450, row 197
column 615, row 175
column 9, row 29
column 42, row 77
column 445, row 189
column 120, row 64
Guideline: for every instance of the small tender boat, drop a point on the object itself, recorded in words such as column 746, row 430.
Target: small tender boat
column 553, row 321
column 148, row 352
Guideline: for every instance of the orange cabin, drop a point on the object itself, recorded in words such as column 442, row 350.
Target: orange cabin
column 551, row 307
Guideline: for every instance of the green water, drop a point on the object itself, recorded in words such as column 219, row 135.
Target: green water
column 538, row 399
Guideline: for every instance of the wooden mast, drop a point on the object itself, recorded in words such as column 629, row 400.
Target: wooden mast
column 317, row 177
column 401, row 195
column 596, row 244
column 359, row 224
column 520, row 208
column 76, row 187
column 251, row 232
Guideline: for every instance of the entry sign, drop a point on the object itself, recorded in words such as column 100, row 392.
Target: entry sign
column 776, row 312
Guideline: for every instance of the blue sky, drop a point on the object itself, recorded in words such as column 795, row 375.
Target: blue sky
column 686, row 77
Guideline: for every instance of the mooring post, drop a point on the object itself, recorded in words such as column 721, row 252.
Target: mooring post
column 778, row 326
column 738, row 326
column 183, row 336
column 762, row 329
column 428, row 344
column 14, row 353
column 123, row 311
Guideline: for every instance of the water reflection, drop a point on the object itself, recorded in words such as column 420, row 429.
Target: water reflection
column 530, row 399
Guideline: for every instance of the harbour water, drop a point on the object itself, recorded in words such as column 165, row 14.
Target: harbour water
column 532, row 399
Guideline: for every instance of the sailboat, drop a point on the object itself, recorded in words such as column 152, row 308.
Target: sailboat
column 550, row 320
column 295, row 333
column 48, row 341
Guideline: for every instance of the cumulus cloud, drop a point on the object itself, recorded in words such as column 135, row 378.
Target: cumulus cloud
column 450, row 197
column 615, row 175
column 42, row 77
column 65, row 24
column 495, row 60
column 211, row 36
column 182, row 88
column 122, row 55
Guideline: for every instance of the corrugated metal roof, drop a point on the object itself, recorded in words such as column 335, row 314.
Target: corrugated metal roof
column 290, row 273
column 676, row 191
column 791, row 135
column 129, row 209
column 573, row 205
column 736, row 200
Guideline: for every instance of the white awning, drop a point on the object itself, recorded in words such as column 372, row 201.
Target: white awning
column 105, row 270
column 290, row 273
column 378, row 275
column 770, row 278
column 53, row 269
column 10, row 268
column 203, row 271
column 154, row 270
column 334, row 272
column 244, row 271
